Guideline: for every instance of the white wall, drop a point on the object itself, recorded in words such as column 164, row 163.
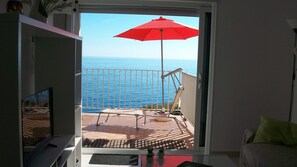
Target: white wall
column 253, row 67
column 28, row 66
column 294, row 106
column 3, row 6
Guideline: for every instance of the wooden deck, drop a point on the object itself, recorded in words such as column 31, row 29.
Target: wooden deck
column 122, row 129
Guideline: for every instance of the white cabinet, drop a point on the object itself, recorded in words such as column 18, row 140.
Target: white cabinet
column 35, row 56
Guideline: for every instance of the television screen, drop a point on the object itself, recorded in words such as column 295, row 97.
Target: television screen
column 37, row 124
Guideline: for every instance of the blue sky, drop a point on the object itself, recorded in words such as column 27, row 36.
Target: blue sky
column 98, row 30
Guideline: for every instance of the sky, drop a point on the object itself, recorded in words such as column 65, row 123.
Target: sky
column 98, row 31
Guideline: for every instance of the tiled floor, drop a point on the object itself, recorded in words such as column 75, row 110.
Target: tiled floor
column 124, row 127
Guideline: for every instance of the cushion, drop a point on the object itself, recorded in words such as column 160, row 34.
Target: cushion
column 274, row 131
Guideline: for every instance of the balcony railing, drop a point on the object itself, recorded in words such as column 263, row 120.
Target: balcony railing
column 125, row 88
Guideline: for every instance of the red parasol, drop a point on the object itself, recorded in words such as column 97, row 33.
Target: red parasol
column 160, row 29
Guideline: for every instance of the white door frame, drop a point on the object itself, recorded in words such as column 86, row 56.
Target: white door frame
column 171, row 7
column 210, row 82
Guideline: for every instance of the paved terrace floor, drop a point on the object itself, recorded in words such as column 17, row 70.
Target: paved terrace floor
column 123, row 128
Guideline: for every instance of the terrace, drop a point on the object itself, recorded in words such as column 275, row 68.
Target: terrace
column 130, row 89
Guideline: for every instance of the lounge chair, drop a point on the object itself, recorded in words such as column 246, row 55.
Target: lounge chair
column 140, row 113
column 137, row 113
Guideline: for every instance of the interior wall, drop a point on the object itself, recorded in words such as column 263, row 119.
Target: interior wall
column 28, row 66
column 3, row 6
column 253, row 67
column 294, row 102
column 28, row 59
column 294, row 111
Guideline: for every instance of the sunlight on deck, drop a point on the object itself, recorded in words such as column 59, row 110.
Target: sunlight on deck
column 123, row 127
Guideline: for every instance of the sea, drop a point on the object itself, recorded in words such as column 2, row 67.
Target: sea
column 117, row 82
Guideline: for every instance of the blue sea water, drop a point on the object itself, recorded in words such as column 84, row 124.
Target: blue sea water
column 109, row 88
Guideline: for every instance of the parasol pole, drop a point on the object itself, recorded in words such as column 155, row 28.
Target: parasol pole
column 161, row 31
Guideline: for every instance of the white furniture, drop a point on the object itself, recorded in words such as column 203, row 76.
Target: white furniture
column 35, row 56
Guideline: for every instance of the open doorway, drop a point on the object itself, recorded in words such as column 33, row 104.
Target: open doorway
column 206, row 44
column 125, row 74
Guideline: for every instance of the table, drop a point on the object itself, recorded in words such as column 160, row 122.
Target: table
column 175, row 160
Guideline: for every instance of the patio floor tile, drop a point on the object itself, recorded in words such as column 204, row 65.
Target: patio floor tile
column 123, row 127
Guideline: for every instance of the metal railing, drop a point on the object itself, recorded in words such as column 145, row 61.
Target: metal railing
column 125, row 88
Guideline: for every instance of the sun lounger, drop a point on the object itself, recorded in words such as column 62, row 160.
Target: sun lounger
column 139, row 114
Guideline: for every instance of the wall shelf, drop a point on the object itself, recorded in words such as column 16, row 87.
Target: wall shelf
column 38, row 56
column 63, row 158
column 37, row 28
column 51, row 154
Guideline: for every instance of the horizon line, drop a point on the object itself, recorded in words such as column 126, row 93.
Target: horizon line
column 182, row 58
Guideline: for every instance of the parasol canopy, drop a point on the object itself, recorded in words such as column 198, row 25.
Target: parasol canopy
column 160, row 29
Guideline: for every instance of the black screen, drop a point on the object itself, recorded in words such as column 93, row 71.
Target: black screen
column 37, row 124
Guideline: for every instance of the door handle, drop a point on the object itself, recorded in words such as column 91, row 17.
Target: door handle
column 199, row 80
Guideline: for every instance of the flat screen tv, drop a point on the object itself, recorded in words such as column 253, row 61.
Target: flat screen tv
column 37, row 122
